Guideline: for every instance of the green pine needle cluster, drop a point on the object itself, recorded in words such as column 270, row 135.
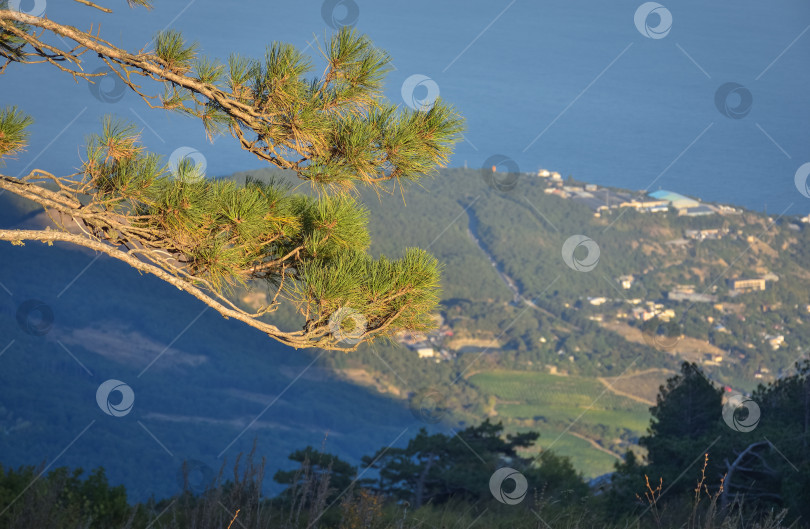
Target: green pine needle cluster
column 228, row 234
column 378, row 289
column 173, row 50
column 335, row 130
column 13, row 131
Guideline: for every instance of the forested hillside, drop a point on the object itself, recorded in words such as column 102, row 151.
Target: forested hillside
column 511, row 304
column 465, row 221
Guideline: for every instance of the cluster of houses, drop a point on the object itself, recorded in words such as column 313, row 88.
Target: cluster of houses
column 428, row 345
column 649, row 309
column 641, row 310
column 599, row 200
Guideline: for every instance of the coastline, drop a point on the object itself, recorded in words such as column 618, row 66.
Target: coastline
column 603, row 198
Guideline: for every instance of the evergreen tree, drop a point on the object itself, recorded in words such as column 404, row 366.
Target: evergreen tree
column 333, row 130
column 685, row 424
column 772, row 467
column 435, row 467
column 766, row 467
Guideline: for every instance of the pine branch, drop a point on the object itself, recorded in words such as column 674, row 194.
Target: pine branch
column 208, row 236
column 334, row 131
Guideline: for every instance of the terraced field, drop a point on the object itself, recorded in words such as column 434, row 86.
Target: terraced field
column 571, row 414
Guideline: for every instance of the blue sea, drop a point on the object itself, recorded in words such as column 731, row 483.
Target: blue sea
column 616, row 93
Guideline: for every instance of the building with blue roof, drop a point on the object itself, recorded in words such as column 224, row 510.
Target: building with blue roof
column 677, row 200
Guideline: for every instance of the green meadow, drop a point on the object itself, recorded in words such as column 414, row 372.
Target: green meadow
column 569, row 412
